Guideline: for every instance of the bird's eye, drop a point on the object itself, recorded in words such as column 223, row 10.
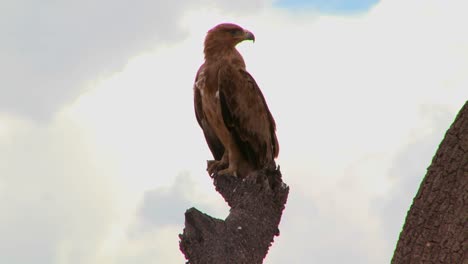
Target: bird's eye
column 234, row 32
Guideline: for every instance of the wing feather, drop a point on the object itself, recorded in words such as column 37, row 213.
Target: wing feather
column 247, row 117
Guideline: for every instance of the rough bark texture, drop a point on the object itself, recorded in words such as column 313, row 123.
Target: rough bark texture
column 256, row 202
column 436, row 227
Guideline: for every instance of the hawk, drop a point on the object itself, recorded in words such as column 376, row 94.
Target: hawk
column 231, row 109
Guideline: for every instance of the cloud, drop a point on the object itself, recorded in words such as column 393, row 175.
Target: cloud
column 326, row 226
column 166, row 205
column 152, row 236
column 51, row 51
column 162, row 207
column 57, row 200
column 335, row 213
column 409, row 168
column 63, row 200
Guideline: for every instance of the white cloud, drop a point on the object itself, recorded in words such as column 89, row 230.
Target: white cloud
column 57, row 197
column 51, row 50
column 153, row 234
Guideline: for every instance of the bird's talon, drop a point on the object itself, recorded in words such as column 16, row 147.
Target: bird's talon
column 231, row 171
column 213, row 166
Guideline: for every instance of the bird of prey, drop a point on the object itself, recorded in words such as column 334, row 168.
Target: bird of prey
column 231, row 109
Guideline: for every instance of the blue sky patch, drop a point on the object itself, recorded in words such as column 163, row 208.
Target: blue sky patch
column 329, row 6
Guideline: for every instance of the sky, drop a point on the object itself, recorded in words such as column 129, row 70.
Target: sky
column 329, row 6
column 101, row 154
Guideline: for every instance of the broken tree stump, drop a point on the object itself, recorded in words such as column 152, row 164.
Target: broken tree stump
column 257, row 203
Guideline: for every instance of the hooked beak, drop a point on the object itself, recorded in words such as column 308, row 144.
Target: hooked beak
column 249, row 36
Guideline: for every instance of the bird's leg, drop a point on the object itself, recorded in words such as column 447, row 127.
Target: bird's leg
column 233, row 157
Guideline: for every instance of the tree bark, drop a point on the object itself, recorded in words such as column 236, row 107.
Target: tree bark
column 256, row 202
column 436, row 227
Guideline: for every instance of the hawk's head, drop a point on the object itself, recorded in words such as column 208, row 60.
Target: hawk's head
column 225, row 37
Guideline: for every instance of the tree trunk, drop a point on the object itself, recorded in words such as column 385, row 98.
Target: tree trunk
column 436, row 227
column 256, row 202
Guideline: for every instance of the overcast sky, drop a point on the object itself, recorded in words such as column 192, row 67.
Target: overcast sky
column 100, row 152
